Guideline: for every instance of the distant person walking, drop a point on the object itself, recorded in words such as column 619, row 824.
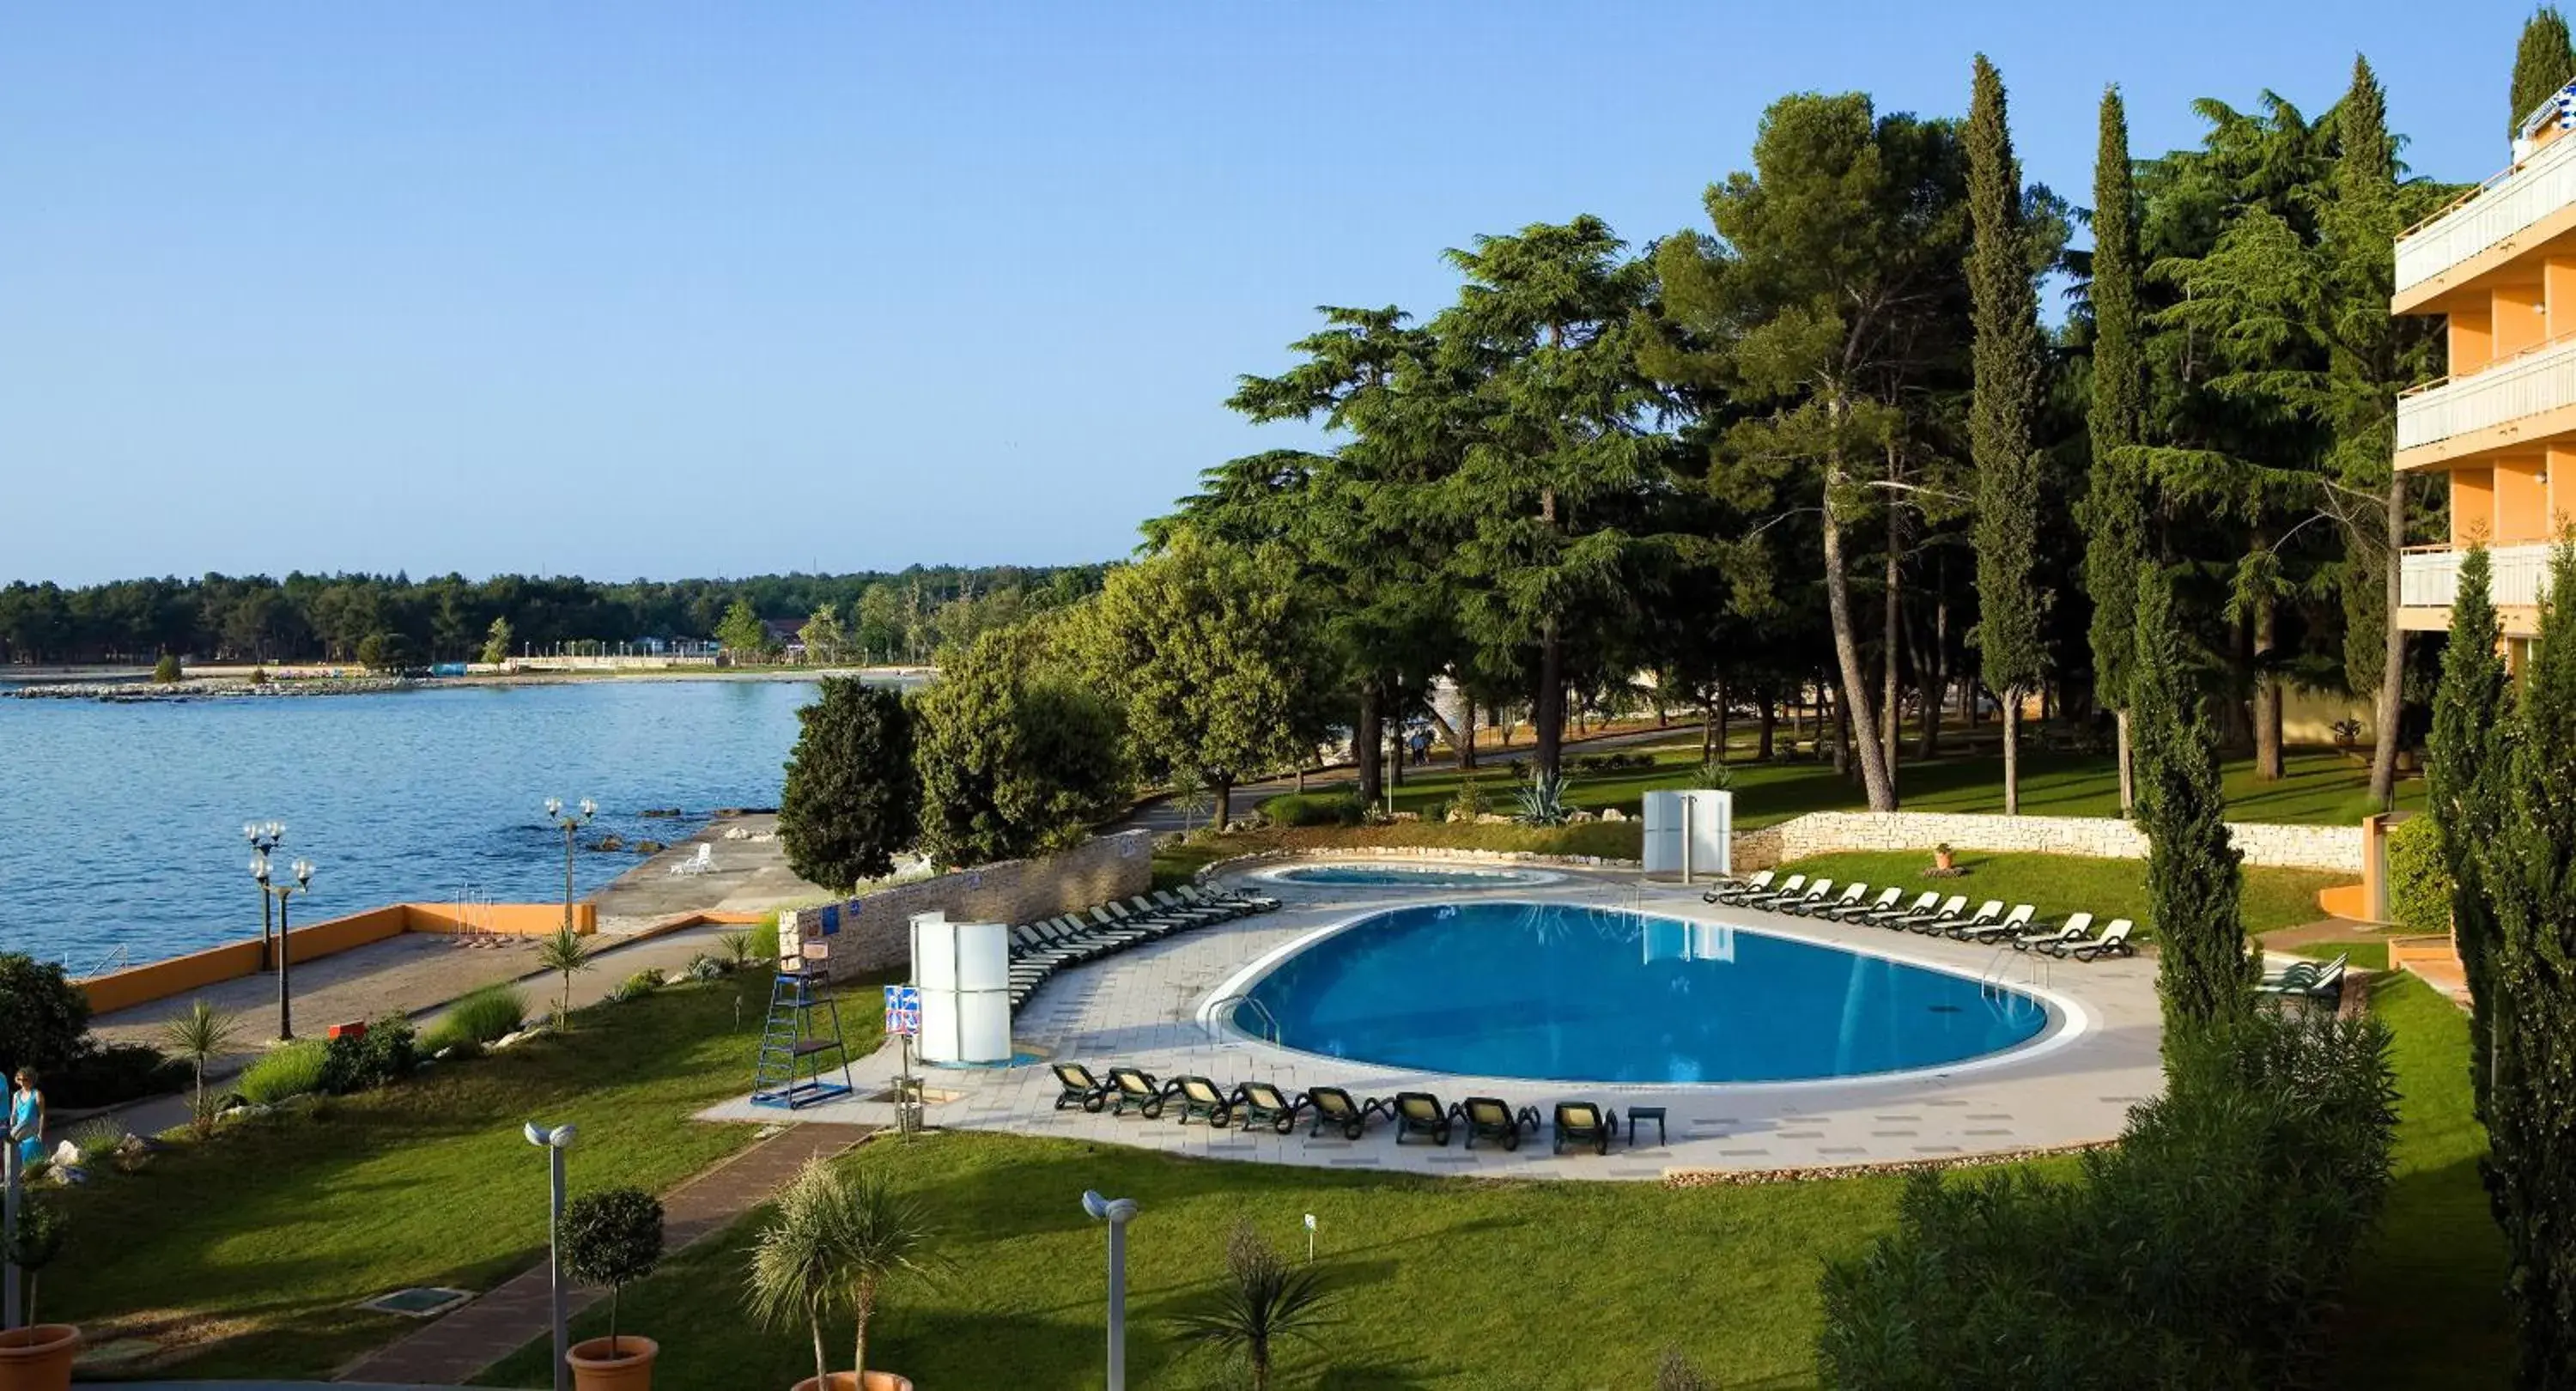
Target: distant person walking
column 1421, row 747
column 27, row 1119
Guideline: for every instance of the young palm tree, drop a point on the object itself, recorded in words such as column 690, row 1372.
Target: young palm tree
column 1263, row 1301
column 877, row 1236
column 795, row 1270
column 563, row 953
column 200, row 1036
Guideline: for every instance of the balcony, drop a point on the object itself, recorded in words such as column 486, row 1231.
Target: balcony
column 2430, row 579
column 2493, row 217
column 2531, row 383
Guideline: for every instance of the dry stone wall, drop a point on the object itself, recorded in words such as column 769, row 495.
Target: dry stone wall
column 874, row 933
column 2336, row 848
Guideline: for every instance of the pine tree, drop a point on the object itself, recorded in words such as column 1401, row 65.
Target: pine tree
column 2194, row 873
column 852, row 799
column 2469, row 710
column 2542, row 63
column 2007, row 360
column 497, row 642
column 2114, row 513
column 2527, row 869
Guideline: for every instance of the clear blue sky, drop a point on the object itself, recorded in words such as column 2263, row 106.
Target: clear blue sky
column 660, row 289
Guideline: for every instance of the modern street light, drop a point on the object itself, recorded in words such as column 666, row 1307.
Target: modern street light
column 1117, row 1212
column 303, row 871
column 569, row 822
column 554, row 1141
column 264, row 837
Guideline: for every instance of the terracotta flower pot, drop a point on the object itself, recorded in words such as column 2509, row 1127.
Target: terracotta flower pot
column 594, row 1368
column 843, row 1381
column 38, row 1358
column 1944, row 860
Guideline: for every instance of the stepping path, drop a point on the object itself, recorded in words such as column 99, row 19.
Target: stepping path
column 516, row 1312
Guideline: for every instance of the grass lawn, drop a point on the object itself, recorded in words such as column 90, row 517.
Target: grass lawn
column 2426, row 1307
column 2367, row 955
column 1175, row 862
column 2063, row 884
column 1453, row 1284
column 260, row 1240
column 2321, row 786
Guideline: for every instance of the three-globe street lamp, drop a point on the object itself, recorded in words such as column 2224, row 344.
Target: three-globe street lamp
column 264, row 837
column 303, row 871
column 569, row 822
column 554, row 1140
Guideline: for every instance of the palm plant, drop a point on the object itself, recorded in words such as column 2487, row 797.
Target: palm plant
column 879, row 1236
column 1263, row 1302
column 563, row 953
column 737, row 947
column 200, row 1035
column 833, row 1242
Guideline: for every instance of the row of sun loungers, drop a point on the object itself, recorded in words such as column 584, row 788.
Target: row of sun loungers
column 2306, row 980
column 1929, row 914
column 1039, row 950
column 1583, row 1124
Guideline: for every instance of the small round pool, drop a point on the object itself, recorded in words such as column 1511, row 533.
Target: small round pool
column 1394, row 876
column 1575, row 993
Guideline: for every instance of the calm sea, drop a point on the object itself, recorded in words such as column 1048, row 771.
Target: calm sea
column 121, row 824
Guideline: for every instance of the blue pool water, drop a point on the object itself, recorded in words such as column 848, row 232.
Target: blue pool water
column 1411, row 876
column 1569, row 992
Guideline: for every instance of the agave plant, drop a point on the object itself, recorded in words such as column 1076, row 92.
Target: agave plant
column 1542, row 800
column 1717, row 773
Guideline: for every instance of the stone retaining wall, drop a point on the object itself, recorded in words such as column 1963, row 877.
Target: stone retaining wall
column 875, row 933
column 2336, row 848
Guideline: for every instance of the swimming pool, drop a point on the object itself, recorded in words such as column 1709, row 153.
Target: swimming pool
column 1575, row 993
column 1386, row 876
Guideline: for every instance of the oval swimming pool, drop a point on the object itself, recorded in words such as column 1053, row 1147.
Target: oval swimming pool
column 1389, row 876
column 1574, row 993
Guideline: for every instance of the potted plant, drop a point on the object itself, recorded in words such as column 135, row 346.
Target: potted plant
column 37, row 1357
column 833, row 1242
column 1944, row 858
column 612, row 1237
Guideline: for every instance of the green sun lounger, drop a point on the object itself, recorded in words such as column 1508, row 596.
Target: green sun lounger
column 1136, row 1091
column 1200, row 1100
column 1080, row 1087
column 1492, row 1118
column 1334, row 1107
column 1260, row 1103
column 1584, row 1123
column 1420, row 1113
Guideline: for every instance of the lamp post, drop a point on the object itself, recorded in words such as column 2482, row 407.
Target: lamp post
column 264, row 837
column 554, row 1141
column 569, row 822
column 303, row 871
column 1118, row 1212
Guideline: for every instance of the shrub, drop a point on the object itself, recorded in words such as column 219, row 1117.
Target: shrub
column 2205, row 1250
column 166, row 670
column 704, row 967
column 107, row 1074
column 97, row 1139
column 1314, row 809
column 259, row 676
column 637, row 986
column 1469, row 802
column 387, row 1052
column 2419, row 892
column 294, row 1070
column 42, row 1015
column 763, row 941
column 490, row 1014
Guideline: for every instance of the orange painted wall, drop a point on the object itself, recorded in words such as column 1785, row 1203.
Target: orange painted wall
column 2472, row 505
column 515, row 919
column 2472, row 339
column 311, row 942
column 2521, row 501
column 176, row 976
column 2519, row 322
column 2558, row 293
column 2561, row 489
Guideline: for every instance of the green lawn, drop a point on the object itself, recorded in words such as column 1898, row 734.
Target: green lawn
column 2366, row 954
column 266, row 1235
column 2063, row 884
column 2426, row 1307
column 2321, row 786
column 1459, row 1284
column 1175, row 862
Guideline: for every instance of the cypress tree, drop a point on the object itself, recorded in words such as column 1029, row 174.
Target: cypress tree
column 2542, row 63
column 2469, row 710
column 2007, row 362
column 2114, row 512
column 2194, row 873
column 2527, row 870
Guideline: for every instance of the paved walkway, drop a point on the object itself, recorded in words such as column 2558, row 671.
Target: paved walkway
column 2075, row 1085
column 506, row 1318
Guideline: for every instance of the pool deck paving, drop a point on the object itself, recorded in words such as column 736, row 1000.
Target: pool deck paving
column 2072, row 1086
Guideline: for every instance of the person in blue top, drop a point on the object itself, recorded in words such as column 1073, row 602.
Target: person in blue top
column 27, row 1119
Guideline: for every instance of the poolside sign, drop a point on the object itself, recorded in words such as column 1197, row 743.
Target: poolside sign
column 903, row 1010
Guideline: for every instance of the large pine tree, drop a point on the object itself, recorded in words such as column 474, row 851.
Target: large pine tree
column 851, row 799
column 2114, row 513
column 2542, row 63
column 2468, row 716
column 2195, row 876
column 2007, row 361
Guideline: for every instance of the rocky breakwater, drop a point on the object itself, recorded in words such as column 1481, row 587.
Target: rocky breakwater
column 207, row 688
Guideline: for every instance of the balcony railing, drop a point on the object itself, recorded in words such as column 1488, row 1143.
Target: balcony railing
column 2540, row 380
column 2494, row 211
column 2431, row 579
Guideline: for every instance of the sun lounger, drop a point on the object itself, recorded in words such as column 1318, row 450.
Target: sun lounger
column 1200, row 913
column 2114, row 941
column 1584, row 1123
column 1080, row 1087
column 1951, row 907
column 1258, row 903
column 1420, row 1113
column 699, row 863
column 1800, row 903
column 1788, row 892
column 1200, row 1098
column 1860, row 912
column 2299, row 975
column 1135, row 1091
column 1741, row 889
column 1818, row 908
column 2048, row 939
column 1334, row 1106
column 1891, row 915
column 1987, row 912
column 2013, row 922
column 1492, row 1118
column 1260, row 1103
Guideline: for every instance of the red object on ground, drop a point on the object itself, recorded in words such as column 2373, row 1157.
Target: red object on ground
column 351, row 1032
